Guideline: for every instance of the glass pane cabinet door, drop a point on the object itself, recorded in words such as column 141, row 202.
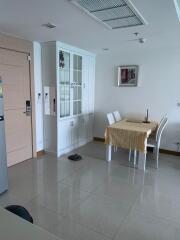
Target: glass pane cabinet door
column 77, row 84
column 64, row 83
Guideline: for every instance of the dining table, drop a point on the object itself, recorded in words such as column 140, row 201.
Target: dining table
column 130, row 134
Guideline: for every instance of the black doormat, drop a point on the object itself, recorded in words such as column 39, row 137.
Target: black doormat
column 75, row 157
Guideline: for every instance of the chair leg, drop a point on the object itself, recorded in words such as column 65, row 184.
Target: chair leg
column 154, row 153
column 157, row 158
column 135, row 157
column 130, row 151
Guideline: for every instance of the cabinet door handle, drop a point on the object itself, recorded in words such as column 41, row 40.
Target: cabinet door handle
column 54, row 105
column 72, row 85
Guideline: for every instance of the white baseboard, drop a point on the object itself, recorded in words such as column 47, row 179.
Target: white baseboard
column 50, row 152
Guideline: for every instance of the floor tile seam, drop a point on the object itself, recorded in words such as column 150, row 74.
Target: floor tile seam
column 37, row 203
column 20, row 198
column 152, row 215
column 89, row 228
column 71, row 185
column 112, row 200
column 75, row 206
column 70, row 175
column 82, row 189
column 66, row 185
column 165, row 194
column 123, row 221
column 60, row 214
column 85, row 226
column 71, row 208
column 49, row 210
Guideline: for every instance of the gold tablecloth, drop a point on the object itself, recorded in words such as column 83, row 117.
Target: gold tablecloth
column 129, row 134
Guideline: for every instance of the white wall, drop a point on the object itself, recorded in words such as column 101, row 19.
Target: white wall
column 38, row 98
column 159, row 89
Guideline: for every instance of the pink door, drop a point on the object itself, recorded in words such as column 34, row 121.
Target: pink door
column 14, row 71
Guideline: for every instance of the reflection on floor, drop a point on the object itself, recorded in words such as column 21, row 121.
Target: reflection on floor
column 95, row 200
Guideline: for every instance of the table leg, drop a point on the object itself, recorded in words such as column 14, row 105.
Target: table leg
column 108, row 152
column 130, row 152
column 142, row 161
column 135, row 157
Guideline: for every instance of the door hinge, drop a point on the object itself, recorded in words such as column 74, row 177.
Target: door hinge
column 29, row 58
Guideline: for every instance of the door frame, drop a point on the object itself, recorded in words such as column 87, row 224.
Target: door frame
column 26, row 47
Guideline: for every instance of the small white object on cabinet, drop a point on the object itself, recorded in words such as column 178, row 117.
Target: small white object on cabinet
column 49, row 101
column 71, row 71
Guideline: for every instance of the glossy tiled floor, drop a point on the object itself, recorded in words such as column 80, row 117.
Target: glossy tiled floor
column 96, row 200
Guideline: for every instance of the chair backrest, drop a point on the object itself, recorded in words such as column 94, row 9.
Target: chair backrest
column 117, row 116
column 160, row 125
column 162, row 119
column 20, row 211
column 110, row 118
column 160, row 129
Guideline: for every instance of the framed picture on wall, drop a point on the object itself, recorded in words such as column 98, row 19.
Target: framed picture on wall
column 128, row 76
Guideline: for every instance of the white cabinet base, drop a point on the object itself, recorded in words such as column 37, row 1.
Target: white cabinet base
column 74, row 132
column 73, row 147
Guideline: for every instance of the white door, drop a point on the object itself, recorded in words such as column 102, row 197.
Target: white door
column 14, row 71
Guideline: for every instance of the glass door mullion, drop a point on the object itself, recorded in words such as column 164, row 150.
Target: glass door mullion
column 83, row 86
column 71, row 84
column 77, row 80
column 64, row 83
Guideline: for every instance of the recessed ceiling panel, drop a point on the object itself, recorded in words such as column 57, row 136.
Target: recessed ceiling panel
column 95, row 5
column 118, row 12
column 126, row 22
column 113, row 13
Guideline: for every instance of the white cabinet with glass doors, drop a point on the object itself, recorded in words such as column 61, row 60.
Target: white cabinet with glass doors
column 75, row 74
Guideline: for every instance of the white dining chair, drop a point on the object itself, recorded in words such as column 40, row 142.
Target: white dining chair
column 117, row 116
column 110, row 118
column 155, row 142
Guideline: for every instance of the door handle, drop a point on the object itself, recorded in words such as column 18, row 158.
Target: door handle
column 1, row 118
column 28, row 113
column 28, row 108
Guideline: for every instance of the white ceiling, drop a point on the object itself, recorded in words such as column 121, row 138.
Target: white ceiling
column 24, row 19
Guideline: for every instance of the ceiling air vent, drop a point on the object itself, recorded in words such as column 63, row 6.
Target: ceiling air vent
column 113, row 13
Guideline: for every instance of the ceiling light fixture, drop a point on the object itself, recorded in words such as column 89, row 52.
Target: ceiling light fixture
column 49, row 25
column 136, row 34
column 142, row 40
